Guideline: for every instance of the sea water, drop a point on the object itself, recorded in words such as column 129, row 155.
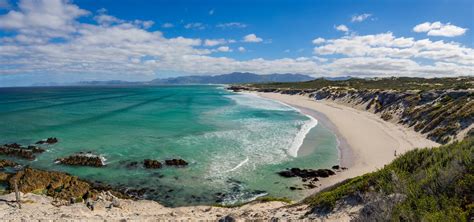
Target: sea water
column 235, row 143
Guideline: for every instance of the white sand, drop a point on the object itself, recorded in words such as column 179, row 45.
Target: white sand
column 367, row 143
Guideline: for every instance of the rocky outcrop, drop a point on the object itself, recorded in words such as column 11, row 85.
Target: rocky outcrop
column 176, row 162
column 83, row 159
column 7, row 163
column 152, row 164
column 17, row 151
column 50, row 140
column 55, row 184
column 306, row 173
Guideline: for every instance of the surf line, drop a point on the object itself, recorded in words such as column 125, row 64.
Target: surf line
column 301, row 135
column 239, row 165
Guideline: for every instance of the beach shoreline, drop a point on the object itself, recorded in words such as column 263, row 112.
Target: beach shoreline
column 367, row 142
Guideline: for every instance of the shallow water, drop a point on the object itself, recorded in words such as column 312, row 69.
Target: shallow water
column 235, row 143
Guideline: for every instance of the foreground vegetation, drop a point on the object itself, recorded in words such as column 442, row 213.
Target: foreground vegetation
column 421, row 185
column 394, row 83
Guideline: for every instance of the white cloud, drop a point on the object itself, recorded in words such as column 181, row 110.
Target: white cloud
column 319, row 40
column 342, row 28
column 196, row 25
column 5, row 4
column 440, row 29
column 241, row 49
column 115, row 47
column 360, row 18
column 43, row 17
column 214, row 42
column 231, row 25
column 252, row 38
column 224, row 49
column 386, row 45
column 167, row 25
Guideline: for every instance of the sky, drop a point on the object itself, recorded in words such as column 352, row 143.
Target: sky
column 65, row 41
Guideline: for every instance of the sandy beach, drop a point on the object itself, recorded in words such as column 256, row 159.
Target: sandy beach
column 367, row 142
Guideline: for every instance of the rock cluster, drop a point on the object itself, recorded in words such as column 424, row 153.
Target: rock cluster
column 176, row 162
column 83, row 159
column 306, row 173
column 152, row 164
column 7, row 163
column 50, row 140
column 309, row 176
column 17, row 151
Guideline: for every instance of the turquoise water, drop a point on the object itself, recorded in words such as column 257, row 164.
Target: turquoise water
column 235, row 143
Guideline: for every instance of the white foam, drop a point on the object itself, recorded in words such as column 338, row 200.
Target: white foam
column 301, row 135
column 239, row 165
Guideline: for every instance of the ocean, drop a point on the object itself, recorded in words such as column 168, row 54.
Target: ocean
column 235, row 143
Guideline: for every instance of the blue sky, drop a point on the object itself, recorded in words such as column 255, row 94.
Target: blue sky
column 67, row 41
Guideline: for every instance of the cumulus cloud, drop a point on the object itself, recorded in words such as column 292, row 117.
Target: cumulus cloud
column 5, row 4
column 214, row 42
column 440, row 29
column 231, row 25
column 241, row 49
column 318, row 40
column 360, row 18
column 224, row 49
column 252, row 38
column 342, row 28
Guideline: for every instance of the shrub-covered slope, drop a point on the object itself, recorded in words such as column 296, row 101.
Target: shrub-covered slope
column 421, row 185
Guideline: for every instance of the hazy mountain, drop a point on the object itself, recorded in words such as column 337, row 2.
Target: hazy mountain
column 236, row 77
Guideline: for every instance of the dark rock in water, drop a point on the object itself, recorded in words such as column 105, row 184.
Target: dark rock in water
column 343, row 168
column 36, row 149
column 7, row 163
column 13, row 145
column 306, row 173
column 335, row 167
column 50, row 140
column 17, row 151
column 83, row 159
column 56, row 184
column 151, row 164
column 176, row 162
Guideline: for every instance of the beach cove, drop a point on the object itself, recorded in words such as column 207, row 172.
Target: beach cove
column 235, row 143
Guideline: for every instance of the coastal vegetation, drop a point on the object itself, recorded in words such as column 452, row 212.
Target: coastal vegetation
column 392, row 83
column 421, row 185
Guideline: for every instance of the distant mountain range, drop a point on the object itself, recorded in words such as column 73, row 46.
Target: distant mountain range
column 236, row 77
column 232, row 78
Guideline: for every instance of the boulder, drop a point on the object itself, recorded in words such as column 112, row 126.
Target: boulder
column 176, row 162
column 151, row 164
column 83, row 159
column 7, row 163
column 50, row 140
